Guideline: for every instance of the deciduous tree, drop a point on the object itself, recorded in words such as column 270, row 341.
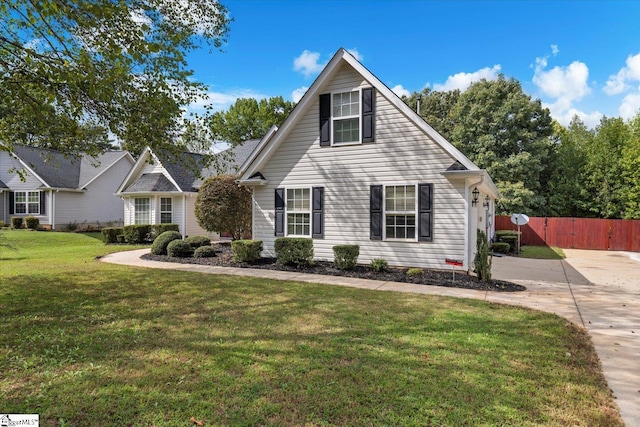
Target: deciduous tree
column 224, row 206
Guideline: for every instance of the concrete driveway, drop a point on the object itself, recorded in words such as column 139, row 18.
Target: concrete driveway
column 598, row 290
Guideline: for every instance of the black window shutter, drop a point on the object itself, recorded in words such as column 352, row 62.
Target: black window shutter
column 279, row 205
column 425, row 212
column 375, row 212
column 368, row 114
column 42, row 203
column 12, row 203
column 325, row 119
column 318, row 212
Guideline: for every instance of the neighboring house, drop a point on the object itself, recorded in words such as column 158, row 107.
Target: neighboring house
column 61, row 190
column 353, row 164
column 162, row 187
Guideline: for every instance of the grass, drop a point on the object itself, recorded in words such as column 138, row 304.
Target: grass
column 92, row 344
column 542, row 252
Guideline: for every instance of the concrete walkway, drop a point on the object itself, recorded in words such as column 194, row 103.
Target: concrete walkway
column 598, row 290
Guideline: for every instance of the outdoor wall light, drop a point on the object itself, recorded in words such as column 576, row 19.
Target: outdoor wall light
column 475, row 194
column 486, row 202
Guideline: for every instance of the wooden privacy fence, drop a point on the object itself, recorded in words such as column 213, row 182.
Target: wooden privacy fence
column 578, row 233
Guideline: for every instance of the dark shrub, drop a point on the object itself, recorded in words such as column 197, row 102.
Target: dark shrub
column 16, row 222
column 138, row 233
column 482, row 260
column 159, row 246
column 120, row 238
column 346, row 256
column 158, row 229
column 179, row 249
column 246, row 250
column 205, row 252
column 501, row 247
column 507, row 236
column 294, row 250
column 110, row 234
column 379, row 265
column 197, row 241
column 31, row 222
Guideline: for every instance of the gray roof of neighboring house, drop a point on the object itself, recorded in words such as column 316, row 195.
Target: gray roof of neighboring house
column 3, row 185
column 149, row 182
column 229, row 160
column 59, row 170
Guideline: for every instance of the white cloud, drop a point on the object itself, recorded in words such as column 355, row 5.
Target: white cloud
column 630, row 105
column 463, row 80
column 619, row 83
column 297, row 94
column 554, row 49
column 356, row 54
column 400, row 91
column 591, row 120
column 307, row 63
column 568, row 83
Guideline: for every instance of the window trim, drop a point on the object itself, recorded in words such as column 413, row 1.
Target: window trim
column 135, row 210
column 333, row 119
column 308, row 212
column 26, row 202
column 161, row 211
column 398, row 213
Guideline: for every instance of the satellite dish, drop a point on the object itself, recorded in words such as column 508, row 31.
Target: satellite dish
column 519, row 219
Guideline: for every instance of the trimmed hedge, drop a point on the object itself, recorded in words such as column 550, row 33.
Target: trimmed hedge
column 110, row 234
column 31, row 222
column 159, row 246
column 16, row 222
column 501, row 247
column 158, row 229
column 205, row 252
column 197, row 241
column 138, row 233
column 179, row 249
column 246, row 250
column 294, row 250
column 346, row 256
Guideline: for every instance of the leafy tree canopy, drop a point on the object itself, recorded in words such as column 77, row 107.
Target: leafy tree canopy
column 222, row 205
column 73, row 72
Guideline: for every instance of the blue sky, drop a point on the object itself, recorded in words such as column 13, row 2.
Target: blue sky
column 578, row 57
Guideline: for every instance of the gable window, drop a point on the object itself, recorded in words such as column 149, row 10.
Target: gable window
column 346, row 117
column 298, row 208
column 27, row 202
column 400, row 212
column 141, row 210
column 166, row 210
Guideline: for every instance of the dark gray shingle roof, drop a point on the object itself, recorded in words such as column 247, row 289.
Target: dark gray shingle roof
column 151, row 182
column 56, row 169
column 3, row 185
column 185, row 168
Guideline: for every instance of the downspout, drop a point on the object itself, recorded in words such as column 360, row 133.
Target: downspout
column 468, row 249
column 184, row 216
column 52, row 212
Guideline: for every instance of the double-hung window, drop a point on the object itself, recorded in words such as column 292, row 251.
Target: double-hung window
column 298, row 205
column 141, row 210
column 346, row 117
column 166, row 210
column 400, row 212
column 27, row 202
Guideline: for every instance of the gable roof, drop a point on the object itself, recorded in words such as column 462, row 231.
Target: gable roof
column 3, row 185
column 58, row 170
column 272, row 140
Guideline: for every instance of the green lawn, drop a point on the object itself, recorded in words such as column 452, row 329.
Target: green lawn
column 542, row 252
column 91, row 344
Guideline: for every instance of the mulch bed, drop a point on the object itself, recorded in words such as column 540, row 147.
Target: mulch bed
column 224, row 258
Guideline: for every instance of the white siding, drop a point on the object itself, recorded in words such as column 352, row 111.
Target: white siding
column 402, row 154
column 192, row 226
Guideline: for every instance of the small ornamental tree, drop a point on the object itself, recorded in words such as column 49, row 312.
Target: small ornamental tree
column 224, row 206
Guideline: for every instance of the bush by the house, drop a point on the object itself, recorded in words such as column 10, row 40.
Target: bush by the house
column 31, row 222
column 159, row 246
column 205, row 252
column 414, row 272
column 246, row 250
column 120, row 238
column 501, row 247
column 16, row 222
column 346, row 256
column 110, row 234
column 294, row 250
column 137, row 233
column 379, row 265
column 507, row 236
column 158, row 229
column 197, row 241
column 482, row 260
column 179, row 249
column 2, row 224
column 222, row 205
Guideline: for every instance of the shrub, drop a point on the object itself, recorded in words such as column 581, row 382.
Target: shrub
column 159, row 246
column 294, row 250
column 197, row 241
column 72, row 226
column 222, row 205
column 501, row 247
column 110, row 234
column 508, row 236
column 205, row 252
column 414, row 272
column 121, row 238
column 246, row 250
column 346, row 256
column 2, row 224
column 31, row 222
column 482, row 260
column 379, row 265
column 16, row 222
column 179, row 249
column 158, row 229
column 138, row 233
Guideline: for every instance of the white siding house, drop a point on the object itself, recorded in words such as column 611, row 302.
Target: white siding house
column 62, row 190
column 353, row 164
